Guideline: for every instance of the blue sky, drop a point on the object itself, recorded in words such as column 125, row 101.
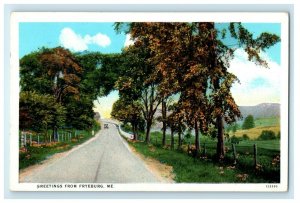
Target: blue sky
column 258, row 85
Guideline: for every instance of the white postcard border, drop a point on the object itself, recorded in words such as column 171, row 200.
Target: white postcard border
column 267, row 17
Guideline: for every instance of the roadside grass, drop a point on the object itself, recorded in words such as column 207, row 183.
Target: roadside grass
column 206, row 169
column 190, row 170
column 35, row 153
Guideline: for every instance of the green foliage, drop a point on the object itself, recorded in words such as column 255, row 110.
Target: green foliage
column 40, row 112
column 188, row 135
column 246, row 137
column 278, row 135
column 127, row 127
column 73, row 81
column 248, row 122
column 267, row 135
column 129, row 112
column 235, row 140
column 233, row 127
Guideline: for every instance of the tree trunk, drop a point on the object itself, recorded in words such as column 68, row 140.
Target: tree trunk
column 220, row 136
column 54, row 134
column 164, row 116
column 179, row 140
column 197, row 142
column 172, row 139
column 148, row 127
column 134, row 130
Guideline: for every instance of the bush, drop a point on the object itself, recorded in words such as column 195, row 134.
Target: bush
column 188, row 135
column 235, row 140
column 127, row 128
column 246, row 137
column 278, row 135
column 267, row 135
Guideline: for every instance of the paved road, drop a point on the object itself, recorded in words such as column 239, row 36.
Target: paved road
column 107, row 159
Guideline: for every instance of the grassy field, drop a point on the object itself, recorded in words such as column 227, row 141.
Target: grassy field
column 273, row 121
column 261, row 124
column 38, row 152
column 207, row 169
column 254, row 133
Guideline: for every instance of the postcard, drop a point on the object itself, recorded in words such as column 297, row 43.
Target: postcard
column 149, row 101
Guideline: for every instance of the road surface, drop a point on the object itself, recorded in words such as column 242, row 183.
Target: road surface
column 106, row 159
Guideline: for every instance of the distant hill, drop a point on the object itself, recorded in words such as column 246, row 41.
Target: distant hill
column 264, row 110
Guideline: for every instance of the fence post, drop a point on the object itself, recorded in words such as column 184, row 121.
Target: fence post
column 204, row 152
column 38, row 139
column 22, row 139
column 25, row 135
column 189, row 147
column 255, row 155
column 234, row 153
column 30, row 141
column 57, row 137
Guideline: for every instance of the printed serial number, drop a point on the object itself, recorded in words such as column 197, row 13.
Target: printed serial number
column 271, row 186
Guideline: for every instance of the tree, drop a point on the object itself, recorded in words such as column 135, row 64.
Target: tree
column 51, row 71
column 175, row 121
column 63, row 70
column 248, row 122
column 134, row 84
column 166, row 102
column 195, row 50
column 125, row 112
column 40, row 112
column 74, row 80
column 192, row 60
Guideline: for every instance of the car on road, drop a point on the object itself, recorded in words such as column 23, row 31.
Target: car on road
column 105, row 126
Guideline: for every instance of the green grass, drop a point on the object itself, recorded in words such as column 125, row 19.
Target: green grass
column 190, row 170
column 262, row 122
column 37, row 153
column 207, row 170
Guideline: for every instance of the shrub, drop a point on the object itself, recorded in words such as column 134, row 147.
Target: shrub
column 188, row 135
column 235, row 140
column 127, row 128
column 278, row 135
column 267, row 135
column 246, row 137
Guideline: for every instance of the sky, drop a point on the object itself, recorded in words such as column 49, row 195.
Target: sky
column 257, row 84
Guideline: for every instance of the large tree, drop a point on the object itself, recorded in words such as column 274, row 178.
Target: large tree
column 74, row 80
column 51, row 71
column 134, row 83
column 194, row 60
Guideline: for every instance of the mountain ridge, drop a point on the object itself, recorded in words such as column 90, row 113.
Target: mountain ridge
column 263, row 110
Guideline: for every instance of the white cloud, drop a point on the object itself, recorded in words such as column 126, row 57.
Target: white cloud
column 250, row 92
column 128, row 41
column 99, row 39
column 69, row 39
